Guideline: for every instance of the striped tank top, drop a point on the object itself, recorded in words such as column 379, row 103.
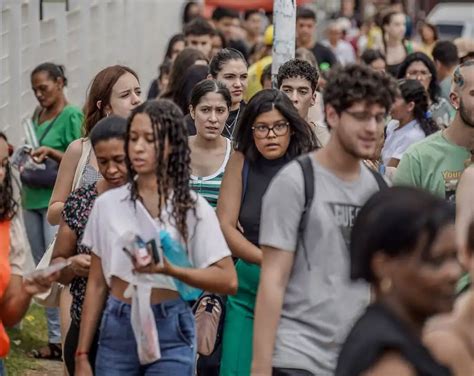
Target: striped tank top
column 209, row 186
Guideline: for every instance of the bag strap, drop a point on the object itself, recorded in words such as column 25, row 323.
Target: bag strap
column 46, row 131
column 379, row 179
column 309, row 179
column 81, row 165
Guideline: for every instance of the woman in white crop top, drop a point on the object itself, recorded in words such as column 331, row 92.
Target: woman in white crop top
column 147, row 326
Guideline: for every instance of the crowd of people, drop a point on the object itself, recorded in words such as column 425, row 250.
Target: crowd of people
column 325, row 225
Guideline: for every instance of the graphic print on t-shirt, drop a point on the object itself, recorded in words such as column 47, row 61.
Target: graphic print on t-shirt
column 451, row 179
column 344, row 216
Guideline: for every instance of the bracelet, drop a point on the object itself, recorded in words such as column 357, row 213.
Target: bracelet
column 79, row 353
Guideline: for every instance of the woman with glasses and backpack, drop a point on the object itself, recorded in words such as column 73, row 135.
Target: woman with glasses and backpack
column 270, row 134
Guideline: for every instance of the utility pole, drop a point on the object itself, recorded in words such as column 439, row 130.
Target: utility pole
column 284, row 34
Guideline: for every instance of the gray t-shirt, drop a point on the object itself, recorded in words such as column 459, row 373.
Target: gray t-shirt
column 320, row 303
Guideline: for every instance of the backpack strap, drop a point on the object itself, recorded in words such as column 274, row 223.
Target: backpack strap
column 308, row 176
column 379, row 179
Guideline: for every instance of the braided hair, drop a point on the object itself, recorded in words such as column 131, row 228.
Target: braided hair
column 173, row 170
column 8, row 205
column 413, row 91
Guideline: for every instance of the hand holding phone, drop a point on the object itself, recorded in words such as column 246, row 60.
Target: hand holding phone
column 41, row 280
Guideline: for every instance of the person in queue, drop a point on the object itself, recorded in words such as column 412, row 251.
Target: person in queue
column 198, row 34
column 301, row 329
column 210, row 151
column 147, row 326
column 403, row 245
column 270, row 134
column 107, row 138
column 56, row 124
column 374, row 59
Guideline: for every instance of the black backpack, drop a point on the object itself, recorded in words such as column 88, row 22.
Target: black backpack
column 309, row 179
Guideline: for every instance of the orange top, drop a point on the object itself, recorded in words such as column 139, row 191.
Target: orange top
column 4, row 279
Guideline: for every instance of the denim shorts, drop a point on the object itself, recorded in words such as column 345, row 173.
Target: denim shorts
column 117, row 354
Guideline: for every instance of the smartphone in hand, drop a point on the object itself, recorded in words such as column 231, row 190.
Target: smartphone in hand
column 48, row 271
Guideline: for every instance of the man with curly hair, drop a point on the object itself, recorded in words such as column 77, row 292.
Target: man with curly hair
column 299, row 80
column 306, row 303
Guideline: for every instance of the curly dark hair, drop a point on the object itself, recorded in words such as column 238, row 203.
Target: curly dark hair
column 173, row 171
column 298, row 68
column 302, row 139
column 434, row 89
column 413, row 91
column 8, row 205
column 357, row 83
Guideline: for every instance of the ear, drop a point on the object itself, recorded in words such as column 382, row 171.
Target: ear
column 410, row 106
column 381, row 266
column 192, row 112
column 209, row 77
column 99, row 105
column 455, row 100
column 332, row 117
column 313, row 98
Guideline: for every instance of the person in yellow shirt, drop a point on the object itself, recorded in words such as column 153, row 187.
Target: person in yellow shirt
column 255, row 71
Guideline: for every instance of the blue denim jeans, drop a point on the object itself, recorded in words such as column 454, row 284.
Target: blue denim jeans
column 117, row 354
column 40, row 234
column 2, row 368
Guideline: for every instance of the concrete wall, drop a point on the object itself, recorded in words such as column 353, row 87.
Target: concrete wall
column 90, row 36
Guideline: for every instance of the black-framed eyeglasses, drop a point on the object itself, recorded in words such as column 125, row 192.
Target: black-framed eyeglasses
column 263, row 131
column 367, row 116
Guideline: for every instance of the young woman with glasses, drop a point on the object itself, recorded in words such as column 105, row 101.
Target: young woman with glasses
column 269, row 135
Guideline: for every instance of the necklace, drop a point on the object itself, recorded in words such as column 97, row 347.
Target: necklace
column 231, row 127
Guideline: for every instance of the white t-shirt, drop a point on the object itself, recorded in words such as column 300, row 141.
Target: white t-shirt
column 114, row 214
column 398, row 140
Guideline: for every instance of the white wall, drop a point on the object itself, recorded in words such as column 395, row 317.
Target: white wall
column 90, row 36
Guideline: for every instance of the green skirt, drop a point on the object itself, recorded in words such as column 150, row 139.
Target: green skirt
column 238, row 325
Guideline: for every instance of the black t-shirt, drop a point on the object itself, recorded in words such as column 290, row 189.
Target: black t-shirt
column 377, row 331
column 323, row 55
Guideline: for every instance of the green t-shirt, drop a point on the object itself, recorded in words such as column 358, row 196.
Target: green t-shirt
column 66, row 128
column 434, row 164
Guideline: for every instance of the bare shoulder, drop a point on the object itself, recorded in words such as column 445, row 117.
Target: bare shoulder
column 446, row 345
column 74, row 150
column 391, row 363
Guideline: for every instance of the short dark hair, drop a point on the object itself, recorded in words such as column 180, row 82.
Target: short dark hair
column 248, row 13
column 298, row 68
column 222, row 57
column 433, row 89
column 222, row 12
column 392, row 222
column 210, row 86
column 55, row 71
column 108, row 128
column 370, row 55
column 302, row 140
column 198, row 26
column 446, row 53
column 165, row 68
column 358, row 83
column 304, row 12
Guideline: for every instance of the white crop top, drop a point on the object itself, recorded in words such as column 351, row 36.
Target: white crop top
column 115, row 214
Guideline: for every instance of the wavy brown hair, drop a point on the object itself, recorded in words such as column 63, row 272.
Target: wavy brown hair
column 173, row 171
column 100, row 89
column 8, row 205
